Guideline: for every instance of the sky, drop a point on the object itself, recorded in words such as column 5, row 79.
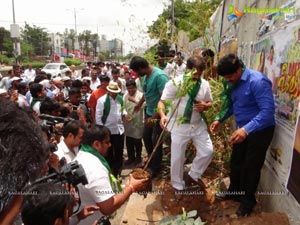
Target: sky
column 123, row 19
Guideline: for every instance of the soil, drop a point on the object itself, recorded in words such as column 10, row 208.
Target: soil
column 211, row 210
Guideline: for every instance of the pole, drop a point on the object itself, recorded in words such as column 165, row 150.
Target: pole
column 15, row 39
column 172, row 22
column 13, row 7
column 75, row 21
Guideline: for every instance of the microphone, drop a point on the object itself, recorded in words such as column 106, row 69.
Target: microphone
column 55, row 119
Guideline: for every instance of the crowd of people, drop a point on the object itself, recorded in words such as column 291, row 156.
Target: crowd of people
column 46, row 124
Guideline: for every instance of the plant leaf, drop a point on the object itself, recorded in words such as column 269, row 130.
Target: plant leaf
column 192, row 213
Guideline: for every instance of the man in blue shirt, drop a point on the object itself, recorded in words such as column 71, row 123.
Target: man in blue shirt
column 153, row 83
column 249, row 97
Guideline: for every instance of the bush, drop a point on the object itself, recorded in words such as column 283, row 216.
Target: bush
column 75, row 62
column 35, row 64
column 5, row 60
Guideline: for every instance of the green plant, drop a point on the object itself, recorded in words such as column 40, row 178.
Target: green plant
column 70, row 62
column 186, row 218
column 35, row 64
column 4, row 59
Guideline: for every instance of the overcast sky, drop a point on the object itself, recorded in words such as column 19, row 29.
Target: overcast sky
column 123, row 19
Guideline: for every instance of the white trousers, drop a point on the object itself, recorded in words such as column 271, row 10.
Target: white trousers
column 201, row 161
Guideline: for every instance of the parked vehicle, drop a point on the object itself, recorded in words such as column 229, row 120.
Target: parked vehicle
column 56, row 69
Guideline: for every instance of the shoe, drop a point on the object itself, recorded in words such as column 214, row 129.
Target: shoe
column 191, row 182
column 201, row 184
column 129, row 161
column 138, row 160
column 178, row 194
column 243, row 211
column 223, row 197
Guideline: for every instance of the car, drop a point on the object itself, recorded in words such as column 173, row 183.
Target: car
column 56, row 69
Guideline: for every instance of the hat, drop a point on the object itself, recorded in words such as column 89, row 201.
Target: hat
column 86, row 78
column 66, row 78
column 57, row 79
column 46, row 83
column 2, row 91
column 113, row 87
column 15, row 78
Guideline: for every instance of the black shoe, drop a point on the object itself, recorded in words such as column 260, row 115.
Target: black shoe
column 129, row 161
column 138, row 160
column 222, row 196
column 243, row 211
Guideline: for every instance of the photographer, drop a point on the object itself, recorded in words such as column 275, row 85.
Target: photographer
column 103, row 188
column 50, row 204
column 23, row 154
column 79, row 111
column 68, row 147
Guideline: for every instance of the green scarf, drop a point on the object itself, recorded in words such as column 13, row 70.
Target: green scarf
column 188, row 110
column 226, row 98
column 35, row 100
column 106, row 109
column 114, row 182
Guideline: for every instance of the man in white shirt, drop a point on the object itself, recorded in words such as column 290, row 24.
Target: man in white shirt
column 29, row 74
column 102, row 189
column 22, row 90
column 75, row 74
column 95, row 82
column 67, row 148
column 189, row 109
column 109, row 113
column 116, row 78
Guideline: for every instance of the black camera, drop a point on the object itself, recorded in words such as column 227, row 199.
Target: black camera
column 104, row 220
column 72, row 173
column 54, row 119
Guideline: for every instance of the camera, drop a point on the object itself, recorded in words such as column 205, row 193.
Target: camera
column 50, row 121
column 72, row 173
column 104, row 220
column 75, row 107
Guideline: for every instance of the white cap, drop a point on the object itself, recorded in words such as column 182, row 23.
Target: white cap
column 15, row 78
column 66, row 78
column 45, row 83
column 86, row 78
column 2, row 91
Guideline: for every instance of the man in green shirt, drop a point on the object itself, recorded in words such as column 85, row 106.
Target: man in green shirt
column 153, row 83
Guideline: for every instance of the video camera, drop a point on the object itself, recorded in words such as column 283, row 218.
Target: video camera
column 72, row 173
column 54, row 119
column 49, row 125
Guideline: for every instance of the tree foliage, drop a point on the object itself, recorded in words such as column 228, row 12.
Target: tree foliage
column 88, row 41
column 189, row 16
column 38, row 38
column 5, row 42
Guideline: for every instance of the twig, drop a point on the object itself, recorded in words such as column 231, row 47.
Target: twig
column 150, row 221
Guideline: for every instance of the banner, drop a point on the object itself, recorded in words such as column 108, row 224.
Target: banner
column 294, row 179
column 277, row 55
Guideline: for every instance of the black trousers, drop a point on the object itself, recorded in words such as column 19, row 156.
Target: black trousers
column 150, row 137
column 247, row 159
column 134, row 147
column 115, row 153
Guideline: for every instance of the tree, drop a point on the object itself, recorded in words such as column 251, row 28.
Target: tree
column 38, row 38
column 84, row 39
column 6, row 44
column 191, row 17
column 70, row 35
